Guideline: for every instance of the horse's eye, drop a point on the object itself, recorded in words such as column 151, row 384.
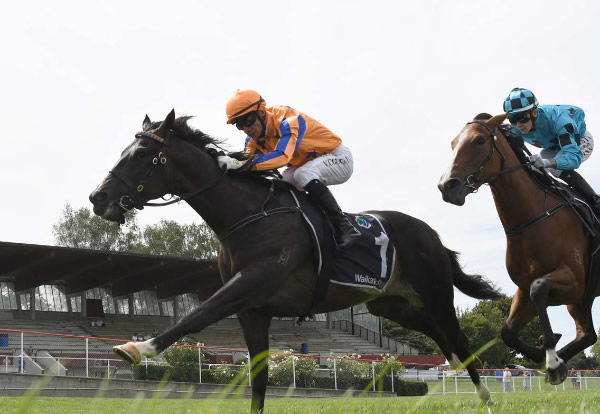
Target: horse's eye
column 140, row 154
column 480, row 140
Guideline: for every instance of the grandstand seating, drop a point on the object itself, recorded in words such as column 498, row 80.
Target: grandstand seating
column 284, row 335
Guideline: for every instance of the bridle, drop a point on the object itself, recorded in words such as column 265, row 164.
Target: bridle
column 133, row 200
column 472, row 180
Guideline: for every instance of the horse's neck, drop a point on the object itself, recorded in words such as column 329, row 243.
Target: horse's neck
column 517, row 196
column 223, row 204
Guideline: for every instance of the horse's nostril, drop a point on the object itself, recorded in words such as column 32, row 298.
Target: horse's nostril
column 97, row 196
column 450, row 184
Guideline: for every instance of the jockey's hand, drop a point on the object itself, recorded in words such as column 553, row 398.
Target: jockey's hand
column 213, row 150
column 238, row 155
column 539, row 162
column 227, row 163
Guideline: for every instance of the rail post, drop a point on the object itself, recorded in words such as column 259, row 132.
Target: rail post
column 199, row 364
column 334, row 373
column 373, row 374
column 87, row 362
column 249, row 370
column 294, row 369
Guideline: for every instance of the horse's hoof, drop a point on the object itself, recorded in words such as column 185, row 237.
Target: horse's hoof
column 484, row 395
column 128, row 352
column 557, row 375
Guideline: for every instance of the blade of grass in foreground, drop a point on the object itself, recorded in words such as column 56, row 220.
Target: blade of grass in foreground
column 26, row 401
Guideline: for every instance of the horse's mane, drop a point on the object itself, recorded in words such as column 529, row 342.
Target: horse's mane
column 194, row 136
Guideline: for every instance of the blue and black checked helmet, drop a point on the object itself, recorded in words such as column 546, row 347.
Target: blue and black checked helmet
column 519, row 100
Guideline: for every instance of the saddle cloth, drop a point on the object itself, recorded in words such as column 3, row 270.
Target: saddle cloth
column 367, row 263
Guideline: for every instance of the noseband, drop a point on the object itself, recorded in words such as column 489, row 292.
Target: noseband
column 471, row 180
column 127, row 202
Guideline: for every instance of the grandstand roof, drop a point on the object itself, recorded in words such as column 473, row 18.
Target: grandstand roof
column 32, row 265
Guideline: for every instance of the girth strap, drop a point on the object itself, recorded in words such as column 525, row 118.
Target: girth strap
column 255, row 217
column 534, row 221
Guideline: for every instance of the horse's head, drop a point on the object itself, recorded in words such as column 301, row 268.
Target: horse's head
column 138, row 176
column 475, row 160
column 167, row 157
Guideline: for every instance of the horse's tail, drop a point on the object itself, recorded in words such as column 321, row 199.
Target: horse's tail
column 473, row 285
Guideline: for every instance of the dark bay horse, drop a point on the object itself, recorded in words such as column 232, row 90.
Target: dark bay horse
column 548, row 251
column 267, row 265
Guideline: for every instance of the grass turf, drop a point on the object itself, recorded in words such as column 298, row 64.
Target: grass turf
column 543, row 403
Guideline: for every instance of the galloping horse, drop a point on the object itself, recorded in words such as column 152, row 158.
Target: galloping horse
column 548, row 251
column 267, row 264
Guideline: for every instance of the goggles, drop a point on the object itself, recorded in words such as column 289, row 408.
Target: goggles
column 245, row 120
column 521, row 117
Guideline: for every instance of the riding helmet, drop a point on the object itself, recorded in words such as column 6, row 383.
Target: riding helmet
column 519, row 100
column 242, row 102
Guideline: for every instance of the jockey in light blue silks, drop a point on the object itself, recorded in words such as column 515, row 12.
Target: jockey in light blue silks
column 561, row 131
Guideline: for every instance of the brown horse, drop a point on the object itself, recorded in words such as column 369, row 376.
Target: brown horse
column 266, row 257
column 548, row 251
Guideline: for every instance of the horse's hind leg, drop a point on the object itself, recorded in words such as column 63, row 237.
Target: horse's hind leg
column 521, row 312
column 443, row 329
column 557, row 285
column 585, row 335
column 256, row 333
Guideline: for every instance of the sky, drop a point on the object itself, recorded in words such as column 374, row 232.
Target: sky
column 397, row 80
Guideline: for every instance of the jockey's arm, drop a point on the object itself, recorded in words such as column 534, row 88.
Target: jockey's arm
column 285, row 148
column 571, row 156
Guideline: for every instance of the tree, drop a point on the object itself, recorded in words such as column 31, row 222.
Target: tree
column 484, row 323
column 413, row 338
column 173, row 239
column 82, row 229
column 582, row 361
column 596, row 350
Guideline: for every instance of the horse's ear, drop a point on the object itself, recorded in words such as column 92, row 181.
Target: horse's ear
column 146, row 123
column 168, row 122
column 494, row 121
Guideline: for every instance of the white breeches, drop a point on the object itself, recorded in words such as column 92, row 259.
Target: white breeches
column 332, row 168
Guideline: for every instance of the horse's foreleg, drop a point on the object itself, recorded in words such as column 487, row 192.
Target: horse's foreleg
column 521, row 312
column 248, row 289
column 256, row 333
column 558, row 284
column 584, row 331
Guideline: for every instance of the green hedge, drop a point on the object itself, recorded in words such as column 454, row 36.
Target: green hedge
column 211, row 376
column 410, row 387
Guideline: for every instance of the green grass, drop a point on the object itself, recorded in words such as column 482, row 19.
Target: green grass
column 536, row 402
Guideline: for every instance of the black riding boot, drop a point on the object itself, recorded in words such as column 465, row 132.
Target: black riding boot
column 345, row 232
column 575, row 180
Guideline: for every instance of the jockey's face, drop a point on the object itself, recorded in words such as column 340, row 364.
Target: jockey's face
column 525, row 123
column 256, row 130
